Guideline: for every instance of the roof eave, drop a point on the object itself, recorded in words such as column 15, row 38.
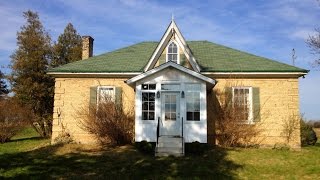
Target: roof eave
column 93, row 74
column 255, row 74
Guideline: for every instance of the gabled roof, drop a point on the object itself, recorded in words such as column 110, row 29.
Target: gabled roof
column 172, row 31
column 211, row 57
column 210, row 82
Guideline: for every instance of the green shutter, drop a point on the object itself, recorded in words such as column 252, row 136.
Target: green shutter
column 118, row 95
column 228, row 97
column 93, row 96
column 256, row 104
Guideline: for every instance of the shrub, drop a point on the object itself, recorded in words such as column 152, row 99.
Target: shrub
column 64, row 137
column 13, row 118
column 308, row 136
column 108, row 122
column 316, row 124
column 145, row 147
column 196, row 148
column 231, row 130
column 290, row 127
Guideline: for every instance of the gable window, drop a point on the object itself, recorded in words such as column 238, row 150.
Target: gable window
column 172, row 53
column 106, row 94
column 193, row 102
column 242, row 103
column 148, row 101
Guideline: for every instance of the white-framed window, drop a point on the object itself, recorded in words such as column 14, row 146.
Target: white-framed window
column 105, row 94
column 173, row 52
column 242, row 103
column 192, row 95
column 148, row 95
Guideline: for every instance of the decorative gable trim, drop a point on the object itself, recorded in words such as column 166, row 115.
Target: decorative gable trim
column 174, row 65
column 166, row 38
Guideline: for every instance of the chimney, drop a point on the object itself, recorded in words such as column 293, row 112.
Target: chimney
column 87, row 47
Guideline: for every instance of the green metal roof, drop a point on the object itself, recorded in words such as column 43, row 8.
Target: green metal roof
column 211, row 57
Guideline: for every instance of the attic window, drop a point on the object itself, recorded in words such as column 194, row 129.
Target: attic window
column 172, row 53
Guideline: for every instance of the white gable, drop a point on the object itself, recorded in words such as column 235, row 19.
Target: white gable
column 210, row 82
column 172, row 31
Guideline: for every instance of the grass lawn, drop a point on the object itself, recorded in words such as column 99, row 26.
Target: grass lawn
column 29, row 156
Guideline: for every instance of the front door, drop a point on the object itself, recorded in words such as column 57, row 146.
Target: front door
column 170, row 114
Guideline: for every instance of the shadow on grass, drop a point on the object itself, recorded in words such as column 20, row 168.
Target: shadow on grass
column 121, row 162
column 24, row 139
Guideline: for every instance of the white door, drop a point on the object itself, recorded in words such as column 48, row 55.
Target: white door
column 170, row 114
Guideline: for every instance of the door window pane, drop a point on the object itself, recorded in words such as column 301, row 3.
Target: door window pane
column 170, row 104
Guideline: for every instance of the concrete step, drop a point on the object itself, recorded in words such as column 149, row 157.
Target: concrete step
column 161, row 154
column 169, row 149
column 169, row 144
column 170, row 139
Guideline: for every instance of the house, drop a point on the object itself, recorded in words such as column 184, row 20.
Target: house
column 172, row 86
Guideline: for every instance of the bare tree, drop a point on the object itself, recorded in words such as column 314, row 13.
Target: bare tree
column 314, row 44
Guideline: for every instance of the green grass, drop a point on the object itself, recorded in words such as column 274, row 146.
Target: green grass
column 22, row 159
column 26, row 140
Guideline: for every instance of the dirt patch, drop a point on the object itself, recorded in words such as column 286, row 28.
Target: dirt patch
column 78, row 148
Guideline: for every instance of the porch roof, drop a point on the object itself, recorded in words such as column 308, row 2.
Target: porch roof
column 210, row 82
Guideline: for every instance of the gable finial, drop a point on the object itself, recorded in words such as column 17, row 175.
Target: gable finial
column 172, row 17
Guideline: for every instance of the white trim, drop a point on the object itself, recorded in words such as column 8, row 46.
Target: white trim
column 255, row 74
column 70, row 74
column 174, row 65
column 171, row 30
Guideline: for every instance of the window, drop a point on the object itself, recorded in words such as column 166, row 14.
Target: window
column 172, row 53
column 242, row 102
column 193, row 102
column 148, row 101
column 106, row 94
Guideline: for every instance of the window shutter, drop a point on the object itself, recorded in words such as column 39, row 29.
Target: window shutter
column 228, row 97
column 118, row 96
column 256, row 104
column 93, row 96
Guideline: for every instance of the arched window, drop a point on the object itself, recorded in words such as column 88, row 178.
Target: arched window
column 172, row 53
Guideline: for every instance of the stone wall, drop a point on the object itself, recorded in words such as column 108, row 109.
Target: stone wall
column 72, row 94
column 279, row 102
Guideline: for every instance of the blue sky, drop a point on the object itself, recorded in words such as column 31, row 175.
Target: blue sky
column 265, row 28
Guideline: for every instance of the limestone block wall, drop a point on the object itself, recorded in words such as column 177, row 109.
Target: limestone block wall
column 72, row 94
column 279, row 103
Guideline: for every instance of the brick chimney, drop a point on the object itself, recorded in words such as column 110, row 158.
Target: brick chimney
column 87, row 47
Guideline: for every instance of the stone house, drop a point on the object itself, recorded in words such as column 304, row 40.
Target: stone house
column 172, row 86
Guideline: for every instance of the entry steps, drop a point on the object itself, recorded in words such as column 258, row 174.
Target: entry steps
column 170, row 145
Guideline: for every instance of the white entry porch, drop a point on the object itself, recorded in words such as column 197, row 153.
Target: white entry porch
column 171, row 102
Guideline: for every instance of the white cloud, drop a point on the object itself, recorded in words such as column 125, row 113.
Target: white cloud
column 303, row 34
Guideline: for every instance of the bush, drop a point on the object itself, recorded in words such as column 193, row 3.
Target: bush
column 64, row 137
column 316, row 124
column 145, row 147
column 13, row 118
column 308, row 136
column 231, row 130
column 108, row 122
column 196, row 148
